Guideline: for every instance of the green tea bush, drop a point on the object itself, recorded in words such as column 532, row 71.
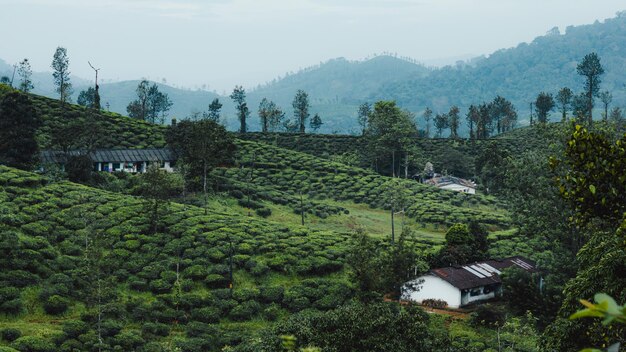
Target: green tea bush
column 10, row 334
column 245, row 310
column 10, row 301
column 151, row 330
column 208, row 315
column 74, row 328
column 56, row 305
column 33, row 344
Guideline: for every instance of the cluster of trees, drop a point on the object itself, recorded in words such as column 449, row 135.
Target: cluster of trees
column 272, row 117
column 151, row 105
column 581, row 105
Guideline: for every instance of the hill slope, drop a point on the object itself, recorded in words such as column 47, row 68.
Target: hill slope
column 164, row 287
column 338, row 86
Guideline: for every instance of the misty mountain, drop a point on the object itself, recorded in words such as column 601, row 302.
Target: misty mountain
column 547, row 64
column 336, row 87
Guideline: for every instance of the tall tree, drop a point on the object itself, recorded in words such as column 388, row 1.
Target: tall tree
column 301, row 108
column 87, row 97
column 564, row 98
column 591, row 69
column 392, row 133
column 18, row 125
column 139, row 108
column 276, row 117
column 484, row 125
column 151, row 105
column 157, row 187
column 606, row 98
column 428, row 114
column 580, row 107
column 543, row 105
column 202, row 145
column 503, row 113
column 239, row 97
column 454, row 120
column 363, row 114
column 441, row 123
column 159, row 104
column 473, row 115
column 316, row 122
column 25, row 72
column 265, row 109
column 214, row 110
column 61, row 74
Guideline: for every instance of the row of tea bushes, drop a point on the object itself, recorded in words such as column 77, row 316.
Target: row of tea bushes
column 56, row 238
column 292, row 173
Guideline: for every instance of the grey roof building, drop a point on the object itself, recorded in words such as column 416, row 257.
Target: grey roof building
column 128, row 160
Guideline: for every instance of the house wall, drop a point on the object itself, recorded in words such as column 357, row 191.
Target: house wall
column 467, row 297
column 432, row 287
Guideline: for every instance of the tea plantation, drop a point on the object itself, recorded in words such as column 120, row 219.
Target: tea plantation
column 271, row 172
column 70, row 252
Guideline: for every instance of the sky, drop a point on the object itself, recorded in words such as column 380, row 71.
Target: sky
column 222, row 43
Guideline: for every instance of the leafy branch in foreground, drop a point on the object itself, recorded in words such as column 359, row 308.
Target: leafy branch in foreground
column 605, row 308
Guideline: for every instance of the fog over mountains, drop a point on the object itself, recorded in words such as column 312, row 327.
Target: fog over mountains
column 337, row 86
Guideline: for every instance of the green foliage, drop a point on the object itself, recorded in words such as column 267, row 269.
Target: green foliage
column 33, row 344
column 594, row 183
column 151, row 105
column 10, row 334
column 356, row 327
column 56, row 305
column 18, row 124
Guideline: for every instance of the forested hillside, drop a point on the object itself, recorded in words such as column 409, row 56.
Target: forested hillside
column 338, row 86
column 548, row 63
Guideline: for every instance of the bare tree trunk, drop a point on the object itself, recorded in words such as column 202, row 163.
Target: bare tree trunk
column 393, row 163
column 406, row 165
column 204, row 187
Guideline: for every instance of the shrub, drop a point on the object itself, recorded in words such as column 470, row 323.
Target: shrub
column 154, row 329
column 160, row 286
column 271, row 294
column 272, row 312
column 111, row 328
column 33, row 344
column 56, row 305
column 215, row 281
column 435, row 303
column 245, row 310
column 264, row 212
column 74, row 328
column 10, row 334
column 488, row 315
column 206, row 315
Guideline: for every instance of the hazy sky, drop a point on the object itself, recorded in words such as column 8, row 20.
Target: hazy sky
column 226, row 42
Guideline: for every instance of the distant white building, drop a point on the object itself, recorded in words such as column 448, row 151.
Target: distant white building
column 117, row 160
column 453, row 184
column 462, row 285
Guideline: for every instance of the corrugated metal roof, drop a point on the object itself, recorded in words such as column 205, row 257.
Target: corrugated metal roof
column 112, row 155
column 448, row 180
column 481, row 273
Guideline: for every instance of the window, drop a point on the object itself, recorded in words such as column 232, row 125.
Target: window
column 476, row 292
column 116, row 166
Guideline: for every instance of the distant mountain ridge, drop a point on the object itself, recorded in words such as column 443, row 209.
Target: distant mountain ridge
column 337, row 86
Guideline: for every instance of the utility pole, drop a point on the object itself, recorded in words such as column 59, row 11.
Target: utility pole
column 96, row 97
column 230, row 268
column 531, row 114
column 392, row 226
column 302, row 208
